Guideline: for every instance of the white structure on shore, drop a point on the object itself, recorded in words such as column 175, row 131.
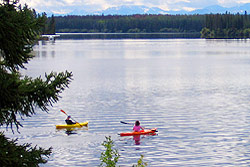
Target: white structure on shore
column 50, row 37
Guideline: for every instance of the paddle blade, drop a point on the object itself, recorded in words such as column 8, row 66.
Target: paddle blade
column 126, row 123
column 64, row 112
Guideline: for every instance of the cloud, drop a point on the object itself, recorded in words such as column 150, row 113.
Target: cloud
column 188, row 9
column 61, row 11
column 230, row 3
column 243, row 1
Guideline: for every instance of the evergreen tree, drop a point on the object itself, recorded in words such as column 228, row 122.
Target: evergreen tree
column 50, row 26
column 130, row 23
column 226, row 26
column 19, row 95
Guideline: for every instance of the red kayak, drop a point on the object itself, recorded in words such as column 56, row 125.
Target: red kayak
column 141, row 132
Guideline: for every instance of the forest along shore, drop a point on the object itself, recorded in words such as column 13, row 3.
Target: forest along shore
column 210, row 26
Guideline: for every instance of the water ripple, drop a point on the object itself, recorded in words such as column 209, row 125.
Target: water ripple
column 193, row 91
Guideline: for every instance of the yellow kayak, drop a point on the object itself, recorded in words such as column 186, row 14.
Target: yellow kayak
column 77, row 125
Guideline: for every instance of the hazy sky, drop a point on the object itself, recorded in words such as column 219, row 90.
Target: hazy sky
column 61, row 6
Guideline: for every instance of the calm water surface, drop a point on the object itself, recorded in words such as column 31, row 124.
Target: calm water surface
column 195, row 91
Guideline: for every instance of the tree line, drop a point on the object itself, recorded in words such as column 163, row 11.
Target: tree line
column 226, row 26
column 130, row 24
column 210, row 25
column 49, row 26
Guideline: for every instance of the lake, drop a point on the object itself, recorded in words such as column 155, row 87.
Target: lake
column 195, row 91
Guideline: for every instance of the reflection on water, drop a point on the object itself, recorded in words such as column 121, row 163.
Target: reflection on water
column 137, row 139
column 70, row 132
column 127, row 35
column 43, row 50
column 195, row 91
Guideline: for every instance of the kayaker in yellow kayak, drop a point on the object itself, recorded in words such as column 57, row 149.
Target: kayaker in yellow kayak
column 69, row 121
column 137, row 127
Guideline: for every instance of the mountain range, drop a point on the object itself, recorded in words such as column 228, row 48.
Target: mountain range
column 140, row 9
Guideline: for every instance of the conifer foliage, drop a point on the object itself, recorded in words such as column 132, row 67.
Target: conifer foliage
column 20, row 95
column 130, row 23
column 226, row 26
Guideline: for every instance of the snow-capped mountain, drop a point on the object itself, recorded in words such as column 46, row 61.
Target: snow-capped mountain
column 220, row 9
column 140, row 9
column 129, row 10
column 132, row 9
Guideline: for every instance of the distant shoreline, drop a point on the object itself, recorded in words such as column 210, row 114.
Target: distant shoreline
column 129, row 35
column 103, row 33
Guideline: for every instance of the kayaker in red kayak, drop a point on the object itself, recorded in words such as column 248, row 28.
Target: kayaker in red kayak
column 137, row 127
column 69, row 121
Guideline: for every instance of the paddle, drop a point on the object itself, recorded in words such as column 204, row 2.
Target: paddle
column 126, row 123
column 130, row 124
column 71, row 117
column 133, row 124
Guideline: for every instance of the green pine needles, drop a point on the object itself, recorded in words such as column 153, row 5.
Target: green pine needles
column 12, row 154
column 20, row 28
